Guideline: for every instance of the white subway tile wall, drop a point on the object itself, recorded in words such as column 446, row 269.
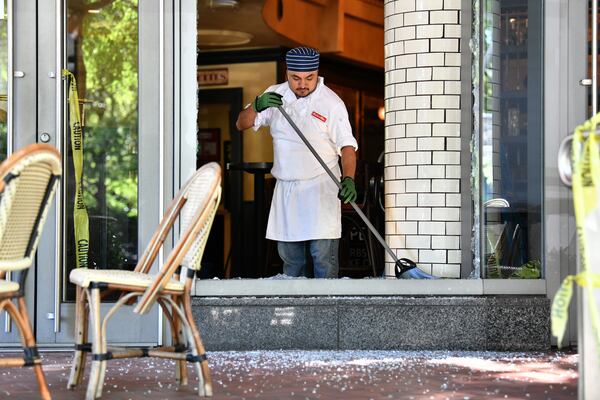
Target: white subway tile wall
column 422, row 147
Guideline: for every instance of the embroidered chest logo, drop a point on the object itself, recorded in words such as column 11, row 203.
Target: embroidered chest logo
column 318, row 116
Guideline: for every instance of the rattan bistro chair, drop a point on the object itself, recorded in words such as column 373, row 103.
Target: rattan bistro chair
column 195, row 205
column 28, row 180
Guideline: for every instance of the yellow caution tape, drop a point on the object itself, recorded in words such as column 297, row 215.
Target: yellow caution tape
column 562, row 299
column 585, row 158
column 80, row 214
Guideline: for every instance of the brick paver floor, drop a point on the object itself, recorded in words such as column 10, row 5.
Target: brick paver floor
column 324, row 375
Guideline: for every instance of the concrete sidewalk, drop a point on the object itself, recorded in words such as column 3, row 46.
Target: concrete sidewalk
column 324, row 375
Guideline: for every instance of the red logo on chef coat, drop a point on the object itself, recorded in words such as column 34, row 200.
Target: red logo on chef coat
column 318, row 116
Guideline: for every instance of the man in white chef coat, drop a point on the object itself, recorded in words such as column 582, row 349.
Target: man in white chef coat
column 305, row 214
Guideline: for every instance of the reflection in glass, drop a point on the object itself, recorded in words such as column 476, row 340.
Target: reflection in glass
column 511, row 140
column 102, row 52
column 3, row 80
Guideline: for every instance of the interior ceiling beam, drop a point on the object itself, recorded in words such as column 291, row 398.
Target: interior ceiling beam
column 351, row 29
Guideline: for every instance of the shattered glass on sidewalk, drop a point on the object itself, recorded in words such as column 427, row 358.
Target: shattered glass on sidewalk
column 325, row 375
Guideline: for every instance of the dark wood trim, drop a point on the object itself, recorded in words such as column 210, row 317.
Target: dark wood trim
column 334, row 69
column 241, row 56
column 344, row 73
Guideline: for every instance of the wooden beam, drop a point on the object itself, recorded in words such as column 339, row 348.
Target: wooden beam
column 351, row 29
column 307, row 22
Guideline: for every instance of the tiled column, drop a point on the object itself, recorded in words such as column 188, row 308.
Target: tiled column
column 422, row 138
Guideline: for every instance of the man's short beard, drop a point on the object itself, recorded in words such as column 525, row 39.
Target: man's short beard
column 306, row 95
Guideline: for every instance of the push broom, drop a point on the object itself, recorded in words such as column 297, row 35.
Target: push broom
column 404, row 268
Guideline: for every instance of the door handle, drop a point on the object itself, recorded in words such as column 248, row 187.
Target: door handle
column 565, row 171
column 586, row 82
column 45, row 137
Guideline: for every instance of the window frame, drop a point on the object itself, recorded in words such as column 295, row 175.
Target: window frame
column 443, row 287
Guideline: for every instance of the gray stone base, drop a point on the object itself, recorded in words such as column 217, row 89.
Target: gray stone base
column 514, row 323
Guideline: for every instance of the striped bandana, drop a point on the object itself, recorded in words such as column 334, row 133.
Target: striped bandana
column 302, row 59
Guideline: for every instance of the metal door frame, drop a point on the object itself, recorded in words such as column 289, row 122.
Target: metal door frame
column 22, row 125
column 567, row 65
column 160, row 169
column 565, row 107
column 54, row 319
column 589, row 369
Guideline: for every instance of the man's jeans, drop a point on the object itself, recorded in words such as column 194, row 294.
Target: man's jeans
column 324, row 254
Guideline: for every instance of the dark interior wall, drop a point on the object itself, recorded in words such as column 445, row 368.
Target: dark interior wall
column 362, row 90
column 333, row 69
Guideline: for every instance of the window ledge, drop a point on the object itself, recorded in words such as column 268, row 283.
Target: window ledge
column 367, row 287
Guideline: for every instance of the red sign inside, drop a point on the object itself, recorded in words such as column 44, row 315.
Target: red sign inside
column 208, row 77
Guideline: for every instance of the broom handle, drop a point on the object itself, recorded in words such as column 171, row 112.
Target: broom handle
column 339, row 185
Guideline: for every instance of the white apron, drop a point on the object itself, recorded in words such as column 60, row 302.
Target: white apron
column 305, row 204
column 305, row 210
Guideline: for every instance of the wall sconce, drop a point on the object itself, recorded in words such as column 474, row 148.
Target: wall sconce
column 381, row 113
column 222, row 4
column 215, row 37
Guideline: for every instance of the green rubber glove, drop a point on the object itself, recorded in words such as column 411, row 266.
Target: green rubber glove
column 347, row 192
column 266, row 100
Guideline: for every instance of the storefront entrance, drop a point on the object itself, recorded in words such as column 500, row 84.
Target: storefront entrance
column 128, row 166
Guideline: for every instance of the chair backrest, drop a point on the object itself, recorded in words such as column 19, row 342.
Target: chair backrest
column 203, row 194
column 196, row 204
column 28, row 180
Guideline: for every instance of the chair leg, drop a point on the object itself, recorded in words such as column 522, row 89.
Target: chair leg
column 103, row 350
column 181, row 374
column 102, row 375
column 22, row 320
column 172, row 319
column 204, row 370
column 94, row 389
column 81, row 326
